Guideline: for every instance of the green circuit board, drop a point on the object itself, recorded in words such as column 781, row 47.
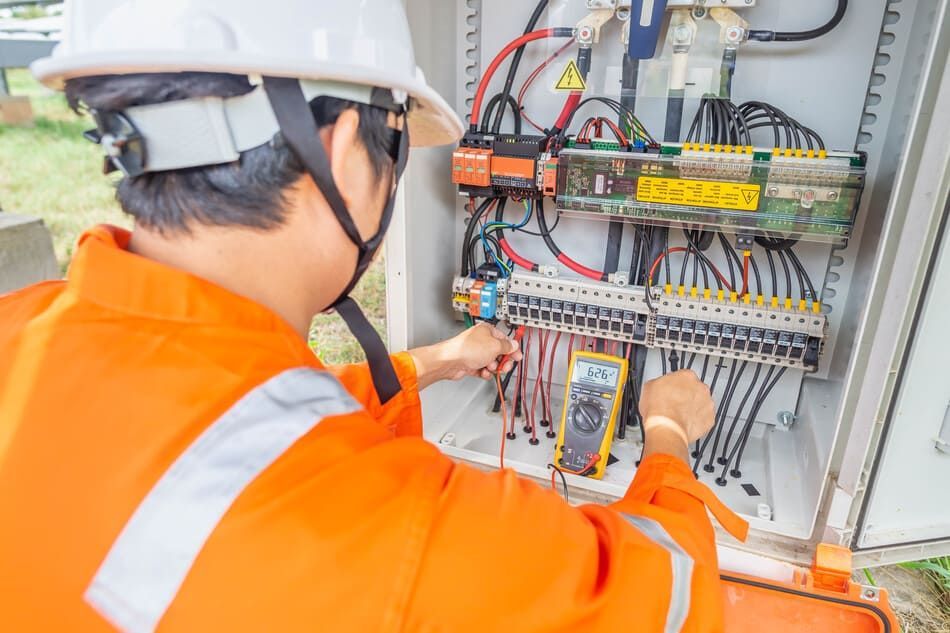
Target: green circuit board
column 813, row 196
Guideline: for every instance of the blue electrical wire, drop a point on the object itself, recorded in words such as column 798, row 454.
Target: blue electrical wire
column 506, row 267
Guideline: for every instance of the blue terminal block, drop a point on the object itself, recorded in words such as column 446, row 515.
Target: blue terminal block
column 488, row 306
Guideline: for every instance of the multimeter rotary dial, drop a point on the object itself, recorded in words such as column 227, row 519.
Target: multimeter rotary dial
column 588, row 417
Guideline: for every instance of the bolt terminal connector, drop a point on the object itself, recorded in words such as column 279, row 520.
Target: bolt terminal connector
column 548, row 271
column 735, row 35
column 585, row 35
column 621, row 278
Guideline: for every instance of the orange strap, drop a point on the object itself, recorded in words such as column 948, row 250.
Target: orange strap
column 665, row 471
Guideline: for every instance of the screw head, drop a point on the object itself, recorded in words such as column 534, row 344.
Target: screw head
column 832, row 195
column 773, row 191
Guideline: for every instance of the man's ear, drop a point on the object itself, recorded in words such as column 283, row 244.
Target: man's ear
column 342, row 143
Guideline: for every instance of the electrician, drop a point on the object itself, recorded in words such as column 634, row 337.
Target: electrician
column 172, row 454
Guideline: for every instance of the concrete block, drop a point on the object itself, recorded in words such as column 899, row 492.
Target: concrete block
column 16, row 111
column 26, row 252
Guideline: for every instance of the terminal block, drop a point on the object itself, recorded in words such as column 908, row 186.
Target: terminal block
column 812, row 195
column 480, row 299
column 721, row 325
column 744, row 329
column 489, row 165
column 578, row 307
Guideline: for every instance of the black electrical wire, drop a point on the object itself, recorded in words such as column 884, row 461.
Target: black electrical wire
column 674, row 361
column 674, row 115
column 698, row 453
column 775, row 244
column 490, row 110
column 721, row 460
column 546, row 234
column 513, row 68
column 727, row 71
column 473, row 223
column 615, row 106
column 563, row 481
column 802, row 36
column 771, row 259
column 747, row 431
column 798, row 274
column 729, row 252
column 788, row 273
column 757, row 275
column 734, row 379
column 525, row 231
column 696, row 449
column 798, row 264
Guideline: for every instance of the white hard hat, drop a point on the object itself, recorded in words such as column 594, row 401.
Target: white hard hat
column 360, row 42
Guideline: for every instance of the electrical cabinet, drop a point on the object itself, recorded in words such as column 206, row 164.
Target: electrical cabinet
column 852, row 449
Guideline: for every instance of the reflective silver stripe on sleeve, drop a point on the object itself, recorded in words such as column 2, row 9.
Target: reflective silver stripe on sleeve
column 147, row 564
column 682, row 568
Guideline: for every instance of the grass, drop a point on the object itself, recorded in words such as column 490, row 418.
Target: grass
column 937, row 573
column 49, row 171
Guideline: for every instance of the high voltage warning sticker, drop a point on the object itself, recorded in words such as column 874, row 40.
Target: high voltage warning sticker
column 699, row 193
column 571, row 79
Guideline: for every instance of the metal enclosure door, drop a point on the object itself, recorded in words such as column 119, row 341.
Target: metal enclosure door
column 909, row 498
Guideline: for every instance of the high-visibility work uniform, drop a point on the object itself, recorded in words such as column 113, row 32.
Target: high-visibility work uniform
column 173, row 457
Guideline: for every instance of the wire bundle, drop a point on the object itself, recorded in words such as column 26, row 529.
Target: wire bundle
column 720, row 121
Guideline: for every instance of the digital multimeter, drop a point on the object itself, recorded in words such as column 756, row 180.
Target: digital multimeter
column 591, row 403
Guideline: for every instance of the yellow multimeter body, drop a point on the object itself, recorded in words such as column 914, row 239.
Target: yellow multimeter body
column 592, row 399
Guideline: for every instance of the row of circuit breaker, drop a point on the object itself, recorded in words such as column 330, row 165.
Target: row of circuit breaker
column 720, row 326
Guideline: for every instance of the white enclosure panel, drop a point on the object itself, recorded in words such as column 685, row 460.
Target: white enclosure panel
column 910, row 498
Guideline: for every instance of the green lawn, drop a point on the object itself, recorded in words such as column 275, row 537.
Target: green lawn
column 51, row 172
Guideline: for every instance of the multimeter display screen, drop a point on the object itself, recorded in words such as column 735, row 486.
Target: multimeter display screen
column 597, row 374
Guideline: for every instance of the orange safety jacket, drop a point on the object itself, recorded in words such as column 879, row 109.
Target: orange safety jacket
column 174, row 457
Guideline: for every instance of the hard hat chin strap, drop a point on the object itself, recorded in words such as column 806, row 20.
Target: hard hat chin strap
column 299, row 130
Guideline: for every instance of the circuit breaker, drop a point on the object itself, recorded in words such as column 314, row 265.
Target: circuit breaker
column 750, row 190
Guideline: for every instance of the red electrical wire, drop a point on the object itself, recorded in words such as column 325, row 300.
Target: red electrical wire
column 592, row 461
column 519, row 384
column 515, row 257
column 569, row 106
column 504, row 419
column 525, row 409
column 538, row 381
column 680, row 249
column 580, row 269
column 493, row 67
column 531, row 79
column 553, row 357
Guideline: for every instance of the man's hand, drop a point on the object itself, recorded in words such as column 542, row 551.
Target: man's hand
column 677, row 410
column 474, row 352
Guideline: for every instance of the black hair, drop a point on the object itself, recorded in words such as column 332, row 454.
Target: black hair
column 246, row 193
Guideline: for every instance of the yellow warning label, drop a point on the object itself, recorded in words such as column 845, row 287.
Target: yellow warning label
column 699, row 193
column 571, row 79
